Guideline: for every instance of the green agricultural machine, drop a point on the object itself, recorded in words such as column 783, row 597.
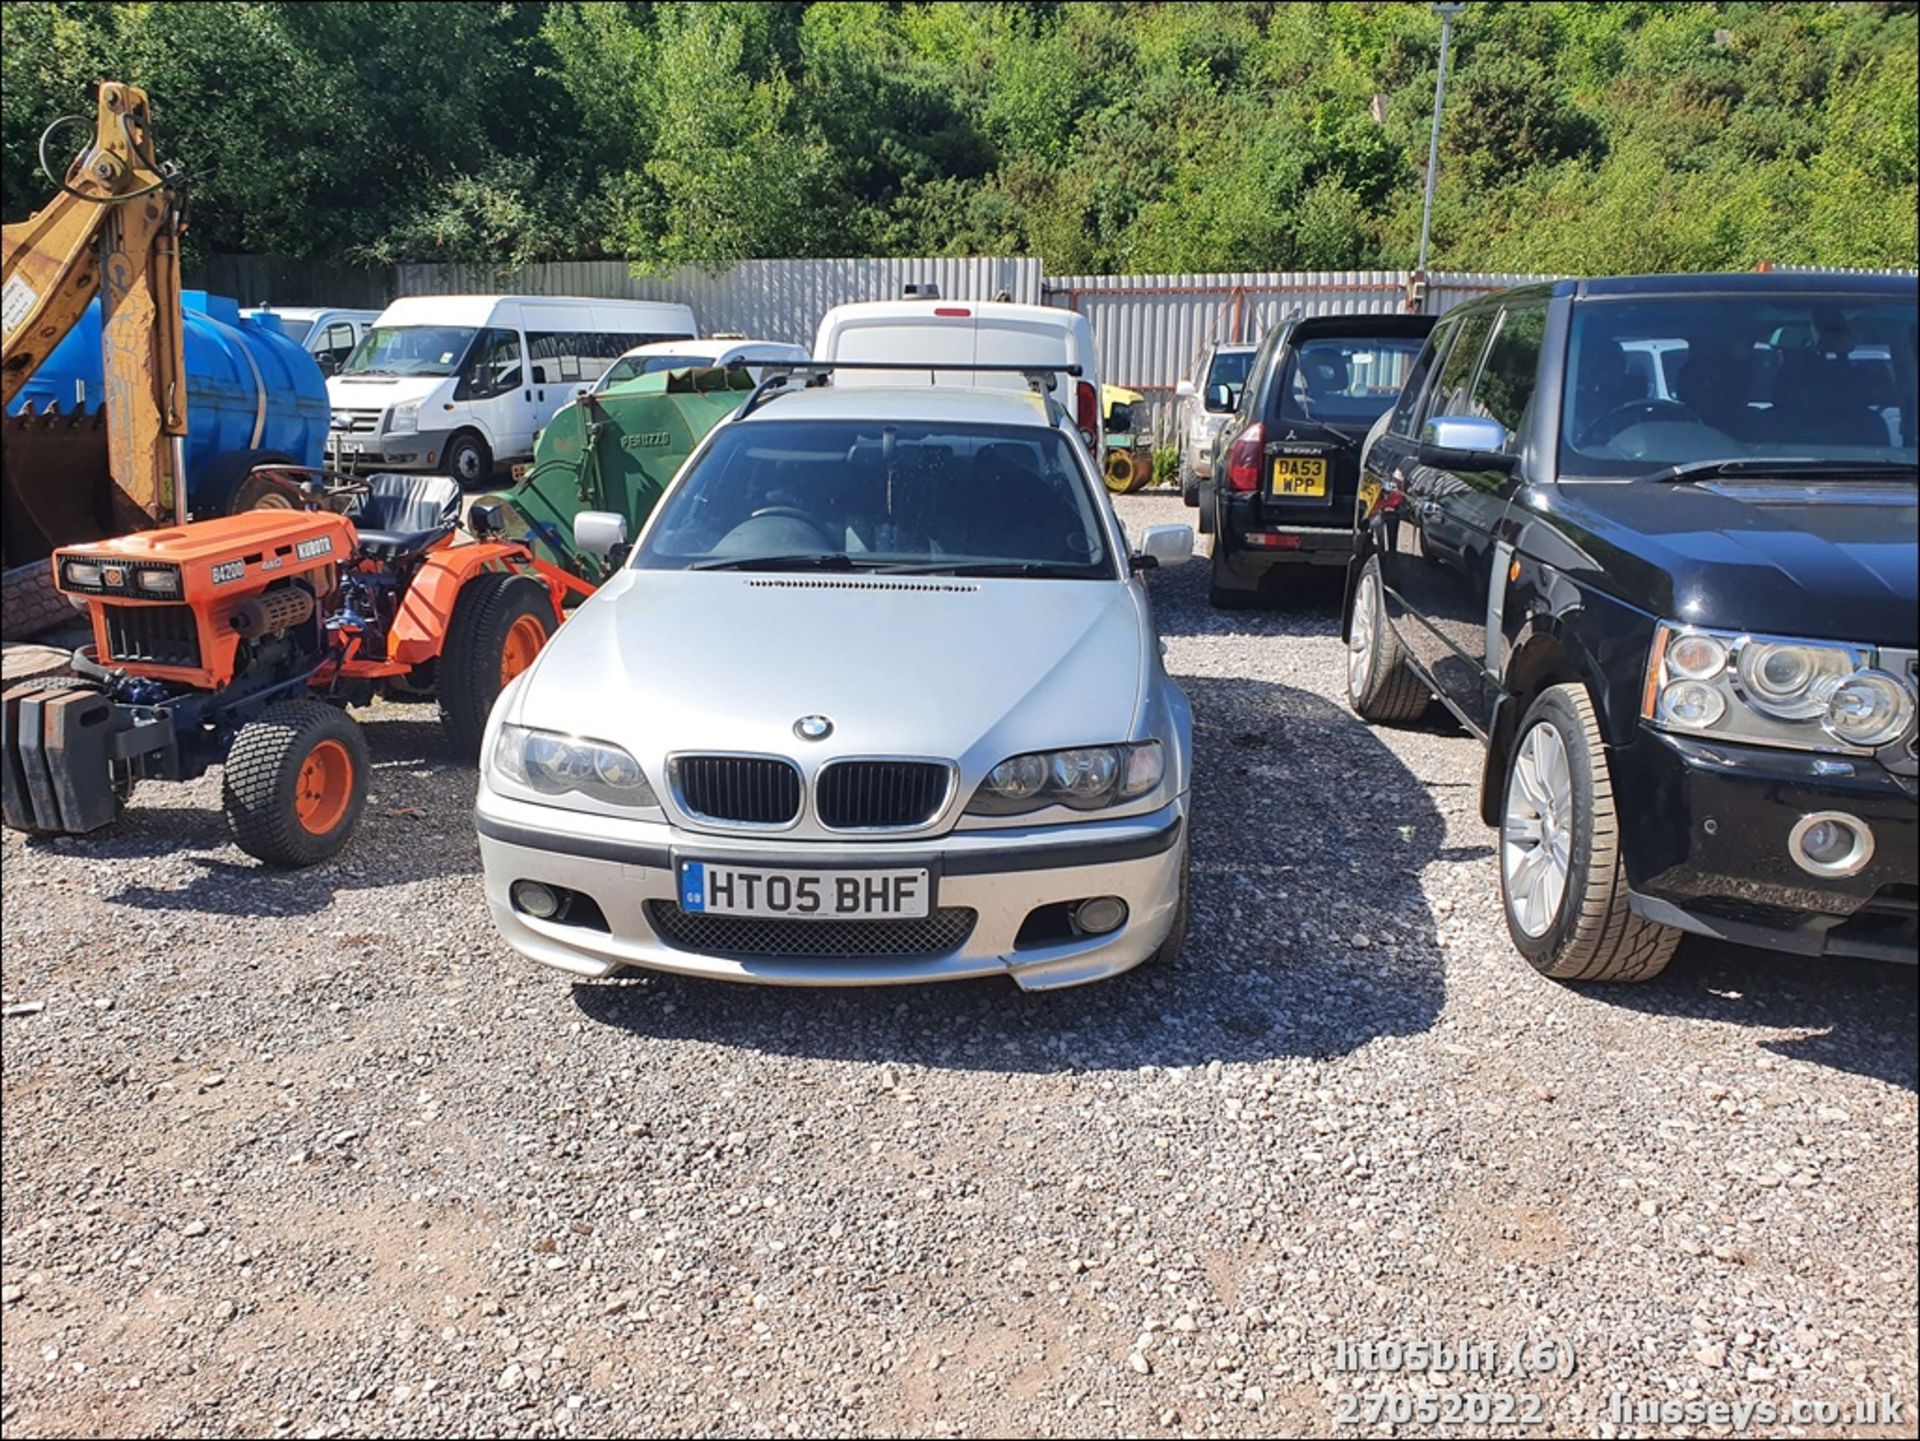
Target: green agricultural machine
column 613, row 450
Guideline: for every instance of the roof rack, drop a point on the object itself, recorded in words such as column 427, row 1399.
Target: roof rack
column 778, row 374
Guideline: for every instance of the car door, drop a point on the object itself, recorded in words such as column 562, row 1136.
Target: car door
column 489, row 393
column 1455, row 545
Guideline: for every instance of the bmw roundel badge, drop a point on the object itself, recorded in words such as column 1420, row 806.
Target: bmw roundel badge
column 813, row 727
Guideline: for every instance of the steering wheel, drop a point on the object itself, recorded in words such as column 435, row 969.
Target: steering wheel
column 1605, row 427
column 791, row 512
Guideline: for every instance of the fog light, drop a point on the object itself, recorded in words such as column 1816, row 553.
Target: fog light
column 1831, row 843
column 535, row 899
column 1100, row 915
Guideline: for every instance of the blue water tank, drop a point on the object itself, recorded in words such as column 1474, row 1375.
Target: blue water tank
column 248, row 386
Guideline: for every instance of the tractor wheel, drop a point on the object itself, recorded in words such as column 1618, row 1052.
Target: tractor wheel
column 295, row 783
column 499, row 624
column 30, row 603
column 222, row 483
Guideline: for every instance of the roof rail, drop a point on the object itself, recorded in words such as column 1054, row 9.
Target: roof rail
column 778, row 374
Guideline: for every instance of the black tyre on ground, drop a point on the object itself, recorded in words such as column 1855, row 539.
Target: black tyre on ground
column 1381, row 686
column 218, row 491
column 1189, row 483
column 295, row 783
column 1563, row 882
column 467, row 459
column 499, row 624
column 29, row 603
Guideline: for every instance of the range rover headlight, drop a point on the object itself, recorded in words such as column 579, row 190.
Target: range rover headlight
column 1083, row 778
column 554, row 764
column 1812, row 695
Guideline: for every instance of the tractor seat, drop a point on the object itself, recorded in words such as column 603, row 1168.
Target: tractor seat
column 403, row 515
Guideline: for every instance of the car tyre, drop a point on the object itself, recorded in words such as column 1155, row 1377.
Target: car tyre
column 1563, row 882
column 295, row 783
column 1189, row 484
column 1381, row 686
column 467, row 459
column 500, row 622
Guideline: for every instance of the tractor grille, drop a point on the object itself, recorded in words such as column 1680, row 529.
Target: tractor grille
column 745, row 790
column 934, row 935
column 875, row 795
column 153, row 634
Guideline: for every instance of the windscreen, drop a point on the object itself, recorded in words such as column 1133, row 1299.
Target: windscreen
column 410, row 350
column 1345, row 381
column 1672, row 381
column 841, row 494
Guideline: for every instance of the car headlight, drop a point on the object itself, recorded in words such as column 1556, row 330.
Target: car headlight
column 1083, row 778
column 554, row 764
column 1813, row 695
column 404, row 419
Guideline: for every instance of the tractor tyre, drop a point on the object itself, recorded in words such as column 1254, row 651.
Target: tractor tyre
column 30, row 603
column 221, row 484
column 500, row 621
column 296, row 782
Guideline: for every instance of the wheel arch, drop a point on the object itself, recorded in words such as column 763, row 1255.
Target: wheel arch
column 420, row 628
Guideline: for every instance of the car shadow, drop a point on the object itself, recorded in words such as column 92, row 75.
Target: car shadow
column 407, row 833
column 1294, row 947
column 1850, row 1015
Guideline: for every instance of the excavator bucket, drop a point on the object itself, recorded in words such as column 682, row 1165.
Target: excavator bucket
column 54, row 484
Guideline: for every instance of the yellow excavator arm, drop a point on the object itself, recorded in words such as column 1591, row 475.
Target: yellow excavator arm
column 113, row 230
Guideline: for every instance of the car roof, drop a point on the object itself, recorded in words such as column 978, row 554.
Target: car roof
column 1739, row 282
column 707, row 345
column 957, row 404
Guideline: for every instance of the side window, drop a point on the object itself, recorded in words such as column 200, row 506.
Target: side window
column 336, row 342
column 1254, row 395
column 1405, row 408
column 1504, row 391
column 1456, row 374
column 493, row 365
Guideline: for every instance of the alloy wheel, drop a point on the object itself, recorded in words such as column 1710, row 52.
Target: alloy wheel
column 1536, row 832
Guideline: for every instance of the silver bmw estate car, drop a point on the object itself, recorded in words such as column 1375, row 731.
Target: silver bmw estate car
column 877, row 697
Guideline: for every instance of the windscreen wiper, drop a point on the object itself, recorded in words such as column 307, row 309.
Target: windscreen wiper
column 1047, row 569
column 814, row 560
column 1781, row 465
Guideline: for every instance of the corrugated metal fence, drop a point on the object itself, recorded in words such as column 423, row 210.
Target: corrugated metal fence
column 766, row 299
column 1151, row 328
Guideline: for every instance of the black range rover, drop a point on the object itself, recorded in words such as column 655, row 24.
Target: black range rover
column 1287, row 462
column 1654, row 540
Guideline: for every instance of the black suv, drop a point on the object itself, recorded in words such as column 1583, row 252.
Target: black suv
column 1287, row 462
column 1654, row 540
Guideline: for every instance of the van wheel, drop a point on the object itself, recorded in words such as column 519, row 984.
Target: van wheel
column 1381, row 686
column 1563, row 883
column 499, row 624
column 295, row 783
column 467, row 459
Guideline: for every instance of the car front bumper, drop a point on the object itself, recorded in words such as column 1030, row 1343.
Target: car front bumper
column 1001, row 875
column 353, row 453
column 1706, row 827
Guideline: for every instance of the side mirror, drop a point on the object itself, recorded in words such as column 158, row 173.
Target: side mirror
column 487, row 518
column 329, row 364
column 1183, row 388
column 1220, row 396
column 1164, row 545
column 1465, row 442
column 599, row 532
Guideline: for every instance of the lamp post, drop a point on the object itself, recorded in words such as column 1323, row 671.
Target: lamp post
column 1447, row 14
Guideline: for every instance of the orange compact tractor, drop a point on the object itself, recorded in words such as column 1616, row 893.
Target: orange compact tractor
column 242, row 639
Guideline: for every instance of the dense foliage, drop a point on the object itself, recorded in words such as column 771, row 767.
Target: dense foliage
column 1102, row 137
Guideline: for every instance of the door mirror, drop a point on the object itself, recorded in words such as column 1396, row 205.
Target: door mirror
column 1220, row 396
column 329, row 364
column 1465, row 442
column 1183, row 388
column 599, row 532
column 1164, row 545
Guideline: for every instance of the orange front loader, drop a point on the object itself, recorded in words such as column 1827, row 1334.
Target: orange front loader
column 240, row 641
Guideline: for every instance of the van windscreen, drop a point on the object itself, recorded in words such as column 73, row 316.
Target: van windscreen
column 410, row 350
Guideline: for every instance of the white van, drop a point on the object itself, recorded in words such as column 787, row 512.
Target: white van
column 713, row 350
column 461, row 384
column 328, row 335
column 970, row 332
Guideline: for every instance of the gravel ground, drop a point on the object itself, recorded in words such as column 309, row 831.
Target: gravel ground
column 313, row 1154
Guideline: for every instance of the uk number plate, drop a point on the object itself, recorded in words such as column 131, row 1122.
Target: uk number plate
column 1299, row 475
column 710, row 889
